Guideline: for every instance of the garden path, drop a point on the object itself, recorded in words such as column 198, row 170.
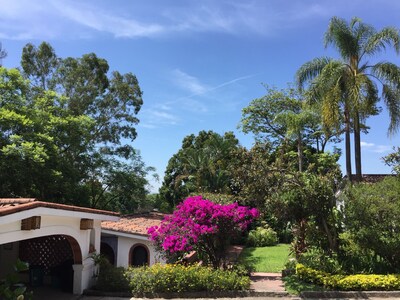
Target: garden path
column 271, row 282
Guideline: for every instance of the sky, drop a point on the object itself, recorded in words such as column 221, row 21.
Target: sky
column 199, row 63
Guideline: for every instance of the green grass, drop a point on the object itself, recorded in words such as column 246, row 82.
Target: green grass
column 265, row 259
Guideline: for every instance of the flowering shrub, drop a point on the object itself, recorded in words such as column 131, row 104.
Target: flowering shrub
column 179, row 278
column 201, row 225
column 363, row 282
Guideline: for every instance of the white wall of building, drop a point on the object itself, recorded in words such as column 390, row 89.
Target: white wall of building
column 53, row 222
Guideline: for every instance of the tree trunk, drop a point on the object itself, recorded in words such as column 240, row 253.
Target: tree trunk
column 300, row 152
column 357, row 147
column 347, row 142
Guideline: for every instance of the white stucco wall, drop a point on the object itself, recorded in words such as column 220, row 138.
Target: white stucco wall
column 127, row 241
column 55, row 222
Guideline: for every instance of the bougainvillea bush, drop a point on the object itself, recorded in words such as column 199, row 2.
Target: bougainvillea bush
column 200, row 225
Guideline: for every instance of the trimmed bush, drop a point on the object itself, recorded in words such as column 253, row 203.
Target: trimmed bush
column 262, row 237
column 179, row 278
column 364, row 282
column 112, row 279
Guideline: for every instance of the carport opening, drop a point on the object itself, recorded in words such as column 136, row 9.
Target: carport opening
column 50, row 259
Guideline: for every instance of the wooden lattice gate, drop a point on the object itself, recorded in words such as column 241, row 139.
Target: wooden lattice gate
column 48, row 252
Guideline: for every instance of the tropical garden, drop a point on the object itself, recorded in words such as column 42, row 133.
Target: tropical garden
column 66, row 131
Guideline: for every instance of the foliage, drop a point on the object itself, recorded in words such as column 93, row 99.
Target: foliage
column 372, row 217
column 66, row 132
column 393, row 160
column 355, row 258
column 349, row 282
column 201, row 225
column 346, row 90
column 295, row 286
column 265, row 259
column 308, row 201
column 201, row 165
column 179, row 278
column 280, row 115
column 262, row 236
column 316, row 258
column 11, row 288
column 111, row 279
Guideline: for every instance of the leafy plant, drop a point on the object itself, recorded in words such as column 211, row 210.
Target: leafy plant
column 262, row 236
column 179, row 278
column 111, row 279
column 11, row 288
column 349, row 282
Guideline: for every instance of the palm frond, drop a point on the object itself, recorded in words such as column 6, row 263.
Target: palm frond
column 310, row 70
column 340, row 35
column 391, row 96
column 388, row 36
column 388, row 73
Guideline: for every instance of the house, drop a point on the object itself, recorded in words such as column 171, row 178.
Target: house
column 126, row 242
column 56, row 239
column 59, row 240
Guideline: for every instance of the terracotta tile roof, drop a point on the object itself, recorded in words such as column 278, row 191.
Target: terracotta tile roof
column 136, row 223
column 13, row 205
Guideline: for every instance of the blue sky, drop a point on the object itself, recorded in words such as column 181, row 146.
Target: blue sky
column 198, row 62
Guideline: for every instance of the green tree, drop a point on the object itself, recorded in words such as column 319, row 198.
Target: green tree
column 348, row 86
column 199, row 166
column 372, row 217
column 74, row 145
column 393, row 160
column 281, row 118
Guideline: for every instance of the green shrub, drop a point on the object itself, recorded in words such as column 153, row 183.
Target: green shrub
column 262, row 236
column 363, row 282
column 178, row 278
column 111, row 279
column 316, row 258
column 357, row 259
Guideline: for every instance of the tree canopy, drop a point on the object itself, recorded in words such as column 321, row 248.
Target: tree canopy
column 66, row 132
column 200, row 166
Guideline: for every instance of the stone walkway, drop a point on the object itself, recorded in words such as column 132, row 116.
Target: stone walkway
column 271, row 282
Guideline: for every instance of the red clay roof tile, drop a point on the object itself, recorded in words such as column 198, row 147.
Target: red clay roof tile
column 136, row 223
column 13, row 205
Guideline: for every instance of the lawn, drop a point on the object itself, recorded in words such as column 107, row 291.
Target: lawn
column 266, row 259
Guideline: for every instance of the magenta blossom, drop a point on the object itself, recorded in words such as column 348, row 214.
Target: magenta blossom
column 201, row 225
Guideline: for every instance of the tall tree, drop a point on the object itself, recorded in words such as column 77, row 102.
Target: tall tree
column 201, row 165
column 66, row 129
column 281, row 118
column 349, row 86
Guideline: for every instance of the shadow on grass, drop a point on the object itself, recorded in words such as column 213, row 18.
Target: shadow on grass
column 295, row 286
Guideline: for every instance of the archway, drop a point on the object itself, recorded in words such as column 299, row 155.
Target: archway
column 107, row 251
column 52, row 257
column 139, row 255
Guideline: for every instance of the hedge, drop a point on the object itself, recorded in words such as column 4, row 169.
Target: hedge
column 179, row 278
column 364, row 282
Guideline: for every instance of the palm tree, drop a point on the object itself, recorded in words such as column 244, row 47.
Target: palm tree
column 348, row 87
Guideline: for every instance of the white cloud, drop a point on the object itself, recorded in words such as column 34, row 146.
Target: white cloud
column 28, row 19
column 157, row 116
column 103, row 21
column 371, row 147
column 188, row 82
column 365, row 144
